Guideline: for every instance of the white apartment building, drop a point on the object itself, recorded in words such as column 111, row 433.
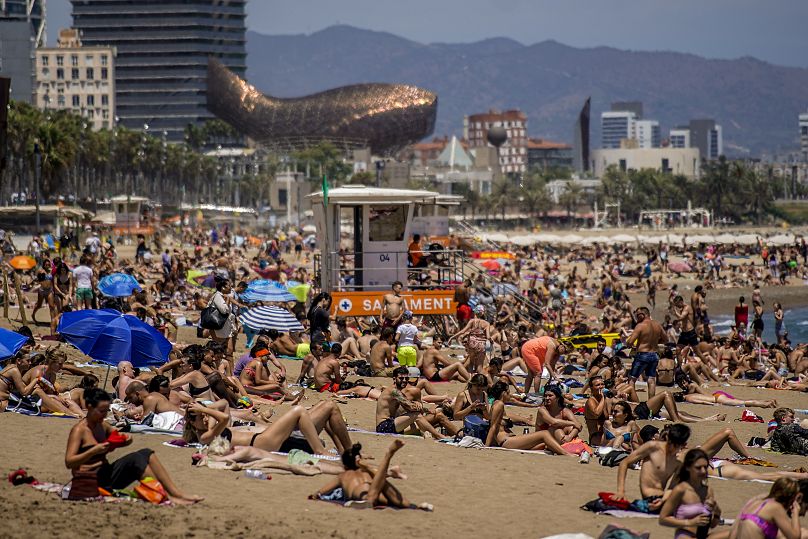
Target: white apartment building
column 684, row 161
column 77, row 78
column 647, row 133
column 680, row 137
column 804, row 136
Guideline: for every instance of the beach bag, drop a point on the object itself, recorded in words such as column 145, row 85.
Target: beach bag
column 613, row 458
column 27, row 405
column 84, row 485
column 476, row 426
column 151, row 490
column 212, row 318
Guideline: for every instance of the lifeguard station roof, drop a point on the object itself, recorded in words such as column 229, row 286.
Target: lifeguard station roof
column 361, row 194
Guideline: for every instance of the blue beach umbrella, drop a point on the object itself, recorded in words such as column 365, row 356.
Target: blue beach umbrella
column 10, row 343
column 118, row 285
column 266, row 290
column 270, row 317
column 110, row 337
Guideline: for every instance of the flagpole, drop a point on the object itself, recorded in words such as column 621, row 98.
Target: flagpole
column 324, row 249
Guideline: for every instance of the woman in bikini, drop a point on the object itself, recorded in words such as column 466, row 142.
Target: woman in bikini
column 47, row 387
column 475, row 336
column 694, row 394
column 362, row 482
column 63, row 286
column 500, row 435
column 555, row 417
column 474, row 400
column 193, row 381
column 203, row 424
column 11, row 381
column 691, row 507
column 765, row 517
column 619, row 430
column 596, row 410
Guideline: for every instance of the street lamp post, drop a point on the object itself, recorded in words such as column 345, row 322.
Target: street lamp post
column 37, row 173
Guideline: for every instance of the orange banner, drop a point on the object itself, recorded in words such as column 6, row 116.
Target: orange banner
column 420, row 302
column 493, row 254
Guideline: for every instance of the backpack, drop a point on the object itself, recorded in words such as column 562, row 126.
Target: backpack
column 475, row 426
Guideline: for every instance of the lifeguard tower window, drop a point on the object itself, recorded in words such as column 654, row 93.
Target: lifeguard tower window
column 387, row 223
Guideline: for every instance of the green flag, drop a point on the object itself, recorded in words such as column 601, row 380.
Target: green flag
column 325, row 190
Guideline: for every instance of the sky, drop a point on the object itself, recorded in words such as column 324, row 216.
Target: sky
column 771, row 30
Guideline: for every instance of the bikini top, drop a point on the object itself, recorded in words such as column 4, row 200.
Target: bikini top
column 692, row 510
column 196, row 391
column 769, row 529
column 611, row 436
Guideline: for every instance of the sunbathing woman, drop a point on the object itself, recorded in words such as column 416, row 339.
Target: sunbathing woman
column 46, row 390
column 765, row 516
column 554, row 416
column 694, row 394
column 499, row 434
column 691, row 507
column 653, row 407
column 361, row 482
column 193, row 381
column 621, row 428
column 11, row 381
column 242, row 457
column 87, row 449
column 727, row 470
column 76, row 394
column 205, row 423
column 257, row 378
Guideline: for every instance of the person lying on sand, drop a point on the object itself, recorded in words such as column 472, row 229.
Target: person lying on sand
column 364, row 483
column 87, row 449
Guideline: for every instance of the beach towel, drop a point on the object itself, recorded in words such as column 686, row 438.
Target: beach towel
column 338, row 496
column 578, row 446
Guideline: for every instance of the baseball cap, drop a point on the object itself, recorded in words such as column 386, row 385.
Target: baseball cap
column 413, row 372
column 407, row 315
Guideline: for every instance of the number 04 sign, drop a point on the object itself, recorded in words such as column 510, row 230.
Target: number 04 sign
column 420, row 302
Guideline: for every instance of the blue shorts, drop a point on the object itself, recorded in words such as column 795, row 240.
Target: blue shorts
column 644, row 363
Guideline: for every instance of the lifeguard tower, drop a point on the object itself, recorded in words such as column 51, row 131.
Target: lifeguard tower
column 364, row 232
column 134, row 215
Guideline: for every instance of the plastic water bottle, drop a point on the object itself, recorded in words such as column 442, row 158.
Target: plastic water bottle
column 256, row 474
column 585, row 456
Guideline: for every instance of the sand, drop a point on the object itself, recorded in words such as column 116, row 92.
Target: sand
column 475, row 492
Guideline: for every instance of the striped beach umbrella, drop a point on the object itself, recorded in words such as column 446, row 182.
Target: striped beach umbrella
column 270, row 317
column 266, row 290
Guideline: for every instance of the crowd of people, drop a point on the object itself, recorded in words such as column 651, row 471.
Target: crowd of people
column 514, row 355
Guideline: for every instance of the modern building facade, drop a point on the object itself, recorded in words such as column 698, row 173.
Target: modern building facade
column 22, row 29
column 545, row 154
column 615, row 127
column 81, row 79
column 581, row 139
column 707, row 136
column 679, row 137
column 647, row 133
column 684, row 161
column 513, row 153
column 163, row 48
column 804, row 136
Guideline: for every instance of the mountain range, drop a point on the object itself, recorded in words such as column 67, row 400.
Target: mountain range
column 756, row 102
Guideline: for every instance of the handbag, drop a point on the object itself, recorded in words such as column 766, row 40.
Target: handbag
column 151, row 490
column 84, row 485
column 212, row 318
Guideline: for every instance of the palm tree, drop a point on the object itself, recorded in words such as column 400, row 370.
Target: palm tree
column 570, row 198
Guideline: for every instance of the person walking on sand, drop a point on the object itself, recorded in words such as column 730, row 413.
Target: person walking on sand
column 647, row 336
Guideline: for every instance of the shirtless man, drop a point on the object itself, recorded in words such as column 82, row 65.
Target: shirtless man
column 155, row 402
column 659, row 463
column 698, row 305
column 414, row 392
column 392, row 307
column 437, row 368
column 285, row 345
column 461, row 296
column 393, row 400
column 311, row 360
column 366, row 341
column 327, row 377
column 381, row 355
column 126, row 375
column 687, row 318
column 646, row 337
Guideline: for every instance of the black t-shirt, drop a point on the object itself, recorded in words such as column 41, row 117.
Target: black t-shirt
column 320, row 321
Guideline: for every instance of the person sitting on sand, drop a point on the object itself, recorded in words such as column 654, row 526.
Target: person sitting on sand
column 789, row 436
column 691, row 507
column 150, row 404
column 597, row 410
column 327, row 376
column 363, row 483
column 774, row 515
column 203, row 424
column 382, row 353
column 437, row 368
column 659, row 463
column 126, row 374
column 11, row 380
column 87, row 447
column 316, row 350
column 619, row 430
column 392, row 401
column 47, row 388
column 555, row 417
column 500, row 435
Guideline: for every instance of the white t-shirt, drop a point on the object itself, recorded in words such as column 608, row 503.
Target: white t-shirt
column 83, row 276
column 93, row 243
column 407, row 334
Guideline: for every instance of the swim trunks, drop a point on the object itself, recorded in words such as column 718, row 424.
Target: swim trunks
column 330, row 387
column 688, row 338
column 436, row 377
column 407, row 356
column 303, row 349
column 644, row 363
column 388, row 426
column 84, row 293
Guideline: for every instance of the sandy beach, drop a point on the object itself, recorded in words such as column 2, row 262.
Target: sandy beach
column 480, row 492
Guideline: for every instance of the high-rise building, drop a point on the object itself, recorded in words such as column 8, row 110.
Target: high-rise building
column 513, row 153
column 22, row 29
column 81, row 79
column 647, row 133
column 680, row 137
column 804, row 136
column 163, row 48
column 628, row 106
column 615, row 127
column 706, row 135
